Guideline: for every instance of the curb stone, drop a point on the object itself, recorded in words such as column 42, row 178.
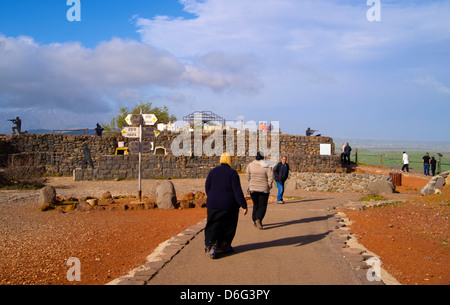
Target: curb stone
column 356, row 254
column 160, row 257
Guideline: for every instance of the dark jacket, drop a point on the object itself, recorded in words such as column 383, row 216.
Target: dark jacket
column 278, row 172
column 223, row 188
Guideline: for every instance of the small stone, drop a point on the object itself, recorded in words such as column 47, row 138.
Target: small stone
column 106, row 195
column 45, row 207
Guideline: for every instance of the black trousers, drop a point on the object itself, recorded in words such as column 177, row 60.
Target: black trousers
column 220, row 228
column 259, row 205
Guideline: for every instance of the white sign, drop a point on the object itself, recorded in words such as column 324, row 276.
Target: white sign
column 325, row 149
column 133, row 119
column 149, row 119
column 131, row 132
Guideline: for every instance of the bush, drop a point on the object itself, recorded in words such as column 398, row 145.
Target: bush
column 21, row 173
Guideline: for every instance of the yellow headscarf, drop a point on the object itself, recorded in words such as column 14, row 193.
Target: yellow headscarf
column 225, row 158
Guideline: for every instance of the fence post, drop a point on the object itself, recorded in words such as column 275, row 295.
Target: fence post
column 356, row 156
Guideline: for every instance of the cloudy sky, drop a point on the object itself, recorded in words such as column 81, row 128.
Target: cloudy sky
column 305, row 63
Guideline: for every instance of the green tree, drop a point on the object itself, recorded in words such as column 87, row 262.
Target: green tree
column 118, row 123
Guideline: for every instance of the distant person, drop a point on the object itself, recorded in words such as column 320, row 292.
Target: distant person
column 433, row 166
column 224, row 197
column 426, row 164
column 260, row 178
column 347, row 151
column 99, row 130
column 342, row 152
column 87, row 157
column 280, row 175
column 405, row 162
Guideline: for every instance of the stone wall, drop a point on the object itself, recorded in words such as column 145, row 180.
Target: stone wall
column 62, row 154
column 329, row 182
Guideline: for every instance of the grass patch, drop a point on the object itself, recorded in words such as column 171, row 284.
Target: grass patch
column 372, row 198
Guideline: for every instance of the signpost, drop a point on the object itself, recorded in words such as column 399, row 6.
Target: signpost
column 140, row 132
column 145, row 147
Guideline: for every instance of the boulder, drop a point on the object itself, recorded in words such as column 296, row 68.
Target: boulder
column 428, row 188
column 48, row 195
column 381, row 187
column 166, row 197
column 440, row 182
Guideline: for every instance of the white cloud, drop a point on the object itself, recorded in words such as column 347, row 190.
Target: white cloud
column 70, row 76
column 433, row 84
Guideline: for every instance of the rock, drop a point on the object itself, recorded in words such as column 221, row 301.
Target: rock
column 201, row 202
column 107, row 195
column 48, row 195
column 440, row 182
column 185, row 204
column 45, row 207
column 166, row 197
column 70, row 207
column 150, row 205
column 83, row 206
column 92, row 202
column 380, row 187
column 428, row 189
column 189, row 196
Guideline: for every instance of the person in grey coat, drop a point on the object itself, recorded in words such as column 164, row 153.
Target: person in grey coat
column 260, row 178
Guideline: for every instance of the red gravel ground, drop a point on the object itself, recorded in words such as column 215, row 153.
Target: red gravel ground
column 412, row 238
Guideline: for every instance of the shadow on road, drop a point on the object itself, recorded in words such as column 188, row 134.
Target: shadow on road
column 292, row 222
column 288, row 241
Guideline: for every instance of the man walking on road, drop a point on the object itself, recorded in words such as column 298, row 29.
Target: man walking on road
column 280, row 175
column 405, row 162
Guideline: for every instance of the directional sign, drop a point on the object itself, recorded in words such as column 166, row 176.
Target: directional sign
column 131, row 132
column 133, row 147
column 149, row 119
column 133, row 119
column 150, row 132
column 146, row 146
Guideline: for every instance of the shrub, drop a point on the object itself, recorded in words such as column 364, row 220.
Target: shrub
column 22, row 173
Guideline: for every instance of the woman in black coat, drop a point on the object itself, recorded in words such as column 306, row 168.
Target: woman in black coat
column 225, row 197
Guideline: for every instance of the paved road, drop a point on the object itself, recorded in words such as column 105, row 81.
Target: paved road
column 293, row 249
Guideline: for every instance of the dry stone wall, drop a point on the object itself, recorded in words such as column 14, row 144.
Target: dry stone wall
column 331, row 182
column 63, row 155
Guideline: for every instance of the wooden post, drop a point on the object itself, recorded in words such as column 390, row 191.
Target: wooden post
column 356, row 156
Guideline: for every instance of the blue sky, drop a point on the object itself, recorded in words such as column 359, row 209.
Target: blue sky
column 319, row 64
